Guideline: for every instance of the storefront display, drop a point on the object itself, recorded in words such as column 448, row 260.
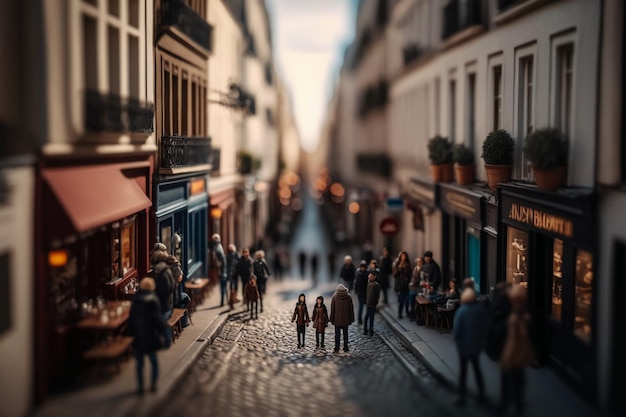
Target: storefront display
column 517, row 256
column 584, row 287
column 557, row 280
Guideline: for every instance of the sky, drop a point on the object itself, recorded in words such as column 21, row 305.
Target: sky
column 309, row 39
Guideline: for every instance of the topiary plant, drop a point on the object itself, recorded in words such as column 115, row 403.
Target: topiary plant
column 462, row 155
column 439, row 150
column 546, row 148
column 498, row 148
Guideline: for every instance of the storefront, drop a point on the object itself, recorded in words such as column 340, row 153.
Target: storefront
column 462, row 226
column 549, row 244
column 181, row 216
column 421, row 230
column 92, row 241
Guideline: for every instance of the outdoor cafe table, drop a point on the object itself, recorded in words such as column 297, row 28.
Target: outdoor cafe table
column 104, row 329
column 425, row 305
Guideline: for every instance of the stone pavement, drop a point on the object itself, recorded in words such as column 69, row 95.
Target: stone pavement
column 117, row 396
column 546, row 393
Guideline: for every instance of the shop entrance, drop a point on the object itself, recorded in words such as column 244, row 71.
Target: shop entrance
column 618, row 359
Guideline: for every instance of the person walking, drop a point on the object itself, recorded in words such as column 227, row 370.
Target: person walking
column 232, row 257
column 402, row 277
column 373, row 295
column 341, row 315
column 314, row 266
column 320, row 320
column 262, row 273
column 360, row 288
column 301, row 317
column 517, row 352
column 414, row 286
column 302, row 259
column 470, row 332
column 385, row 267
column 348, row 272
column 221, row 265
column 332, row 259
column 147, row 327
column 244, row 270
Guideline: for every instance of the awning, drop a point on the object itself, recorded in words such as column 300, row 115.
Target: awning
column 96, row 196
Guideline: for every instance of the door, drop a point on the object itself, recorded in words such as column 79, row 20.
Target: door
column 473, row 260
column 618, row 359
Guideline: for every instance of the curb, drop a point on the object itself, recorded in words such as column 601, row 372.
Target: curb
column 401, row 333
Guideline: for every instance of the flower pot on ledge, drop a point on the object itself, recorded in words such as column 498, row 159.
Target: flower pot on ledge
column 442, row 172
column 465, row 174
column 549, row 179
column 497, row 174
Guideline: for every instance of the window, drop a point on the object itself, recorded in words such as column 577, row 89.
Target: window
column 524, row 109
column 564, row 85
column 497, row 97
column 120, row 33
column 123, row 244
column 557, row 280
column 517, row 256
column 452, row 132
column 471, row 109
column 583, row 294
column 183, row 97
column 437, row 105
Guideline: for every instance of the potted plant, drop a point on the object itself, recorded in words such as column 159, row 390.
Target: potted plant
column 498, row 149
column 440, row 155
column 547, row 150
column 463, row 158
column 244, row 162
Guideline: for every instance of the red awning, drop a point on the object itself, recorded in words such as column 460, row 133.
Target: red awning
column 95, row 196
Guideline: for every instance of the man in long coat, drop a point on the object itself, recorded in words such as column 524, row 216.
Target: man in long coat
column 341, row 315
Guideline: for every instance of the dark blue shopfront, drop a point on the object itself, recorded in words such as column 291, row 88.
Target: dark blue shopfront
column 181, row 222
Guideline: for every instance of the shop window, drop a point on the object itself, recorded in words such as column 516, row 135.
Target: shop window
column 123, row 246
column 524, row 106
column 5, row 293
column 166, row 236
column 584, row 292
column 452, row 109
column 497, row 97
column 517, row 257
column 557, row 280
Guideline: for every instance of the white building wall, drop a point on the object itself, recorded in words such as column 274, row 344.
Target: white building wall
column 16, row 343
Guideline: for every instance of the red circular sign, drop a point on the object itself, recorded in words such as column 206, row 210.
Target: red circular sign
column 389, row 226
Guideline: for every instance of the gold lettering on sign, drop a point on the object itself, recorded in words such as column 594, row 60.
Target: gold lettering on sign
column 541, row 220
column 461, row 203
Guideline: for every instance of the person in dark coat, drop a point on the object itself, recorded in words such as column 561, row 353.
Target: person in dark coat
column 232, row 257
column 147, row 328
column 252, row 297
column 341, row 315
column 301, row 317
column 373, row 295
column 164, row 267
column 360, row 287
column 314, row 266
column 332, row 263
column 302, row 259
column 386, row 267
column 320, row 320
column 402, row 276
column 244, row 270
column 262, row 273
column 348, row 272
column 222, row 267
column 471, row 325
column 432, row 272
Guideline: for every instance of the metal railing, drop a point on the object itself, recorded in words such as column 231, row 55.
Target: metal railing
column 112, row 113
column 176, row 13
column 184, row 151
column 505, row 4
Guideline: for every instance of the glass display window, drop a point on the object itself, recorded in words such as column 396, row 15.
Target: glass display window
column 123, row 247
column 557, row 280
column 517, row 257
column 583, row 293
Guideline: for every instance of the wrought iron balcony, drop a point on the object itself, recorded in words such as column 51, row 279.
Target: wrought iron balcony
column 176, row 13
column 214, row 159
column 185, row 151
column 111, row 113
column 458, row 15
column 505, row 4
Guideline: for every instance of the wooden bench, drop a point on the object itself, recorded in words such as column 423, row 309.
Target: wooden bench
column 198, row 290
column 175, row 323
column 110, row 352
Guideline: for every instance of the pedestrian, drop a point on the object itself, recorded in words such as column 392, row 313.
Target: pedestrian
column 432, row 272
column 471, row 324
column 341, row 315
column 314, row 266
column 348, row 272
column 360, row 288
column 517, row 353
column 386, row 267
column 278, row 264
column 402, row 277
column 414, row 286
column 373, row 295
column 302, row 258
column 262, row 273
column 221, row 265
column 320, row 320
column 232, row 257
column 147, row 327
column 244, row 270
column 367, row 251
column 301, row 317
column 332, row 263
column 164, row 266
column 252, row 297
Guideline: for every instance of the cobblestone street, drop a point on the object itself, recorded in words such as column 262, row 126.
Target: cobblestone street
column 255, row 368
